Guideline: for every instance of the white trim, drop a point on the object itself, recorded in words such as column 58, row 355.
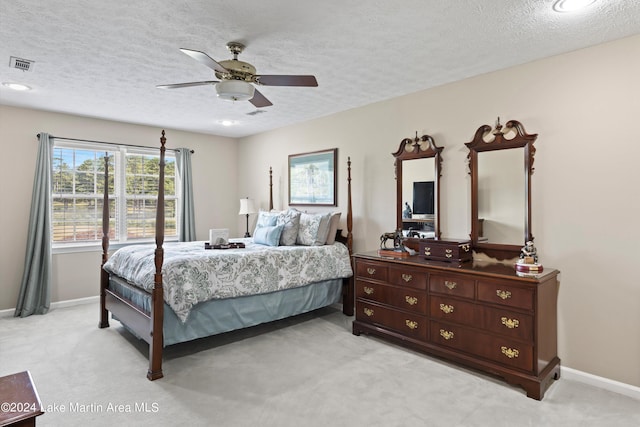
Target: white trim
column 601, row 382
column 55, row 305
column 78, row 301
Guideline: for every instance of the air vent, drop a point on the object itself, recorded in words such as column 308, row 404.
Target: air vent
column 21, row 64
column 253, row 113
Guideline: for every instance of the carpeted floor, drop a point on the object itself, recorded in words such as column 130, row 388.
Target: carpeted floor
column 305, row 371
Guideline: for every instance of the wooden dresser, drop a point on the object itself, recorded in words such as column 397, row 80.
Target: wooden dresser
column 481, row 314
column 19, row 401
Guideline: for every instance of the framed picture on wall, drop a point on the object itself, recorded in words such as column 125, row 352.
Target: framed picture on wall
column 312, row 178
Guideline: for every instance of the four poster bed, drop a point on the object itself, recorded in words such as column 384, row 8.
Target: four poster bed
column 161, row 298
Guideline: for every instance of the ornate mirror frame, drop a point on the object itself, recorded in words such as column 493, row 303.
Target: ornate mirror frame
column 423, row 147
column 499, row 142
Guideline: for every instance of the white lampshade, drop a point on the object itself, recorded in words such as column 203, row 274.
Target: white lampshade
column 234, row 90
column 246, row 207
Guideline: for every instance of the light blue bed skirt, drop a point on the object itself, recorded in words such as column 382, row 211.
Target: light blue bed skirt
column 224, row 315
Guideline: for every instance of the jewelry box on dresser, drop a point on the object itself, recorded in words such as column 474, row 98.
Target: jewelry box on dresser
column 482, row 314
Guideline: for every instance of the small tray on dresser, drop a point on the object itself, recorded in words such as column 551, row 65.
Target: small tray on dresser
column 230, row 245
column 446, row 250
column 393, row 253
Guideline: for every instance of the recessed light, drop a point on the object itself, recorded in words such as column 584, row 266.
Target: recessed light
column 571, row 5
column 16, row 86
column 227, row 122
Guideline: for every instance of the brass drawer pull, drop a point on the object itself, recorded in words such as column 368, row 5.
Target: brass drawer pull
column 510, row 323
column 427, row 251
column 510, row 352
column 407, row 277
column 446, row 308
column 503, row 294
column 371, row 271
column 411, row 324
column 447, row 335
column 368, row 311
column 368, row 290
column 448, row 255
column 411, row 300
column 450, row 285
column 466, row 247
column 448, row 251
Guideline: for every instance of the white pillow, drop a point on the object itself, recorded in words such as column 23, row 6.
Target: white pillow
column 313, row 229
column 333, row 227
column 291, row 221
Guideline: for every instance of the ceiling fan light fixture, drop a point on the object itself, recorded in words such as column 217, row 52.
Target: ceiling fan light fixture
column 571, row 5
column 16, row 86
column 235, row 90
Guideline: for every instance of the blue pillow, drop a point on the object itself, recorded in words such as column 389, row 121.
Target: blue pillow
column 265, row 219
column 269, row 235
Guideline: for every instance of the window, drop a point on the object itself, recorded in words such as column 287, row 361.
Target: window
column 78, row 186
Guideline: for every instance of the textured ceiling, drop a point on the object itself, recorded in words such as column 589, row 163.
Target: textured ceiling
column 104, row 58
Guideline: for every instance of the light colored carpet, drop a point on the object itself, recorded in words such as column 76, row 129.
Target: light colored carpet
column 305, row 371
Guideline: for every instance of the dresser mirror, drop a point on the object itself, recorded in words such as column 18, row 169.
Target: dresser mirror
column 501, row 165
column 418, row 165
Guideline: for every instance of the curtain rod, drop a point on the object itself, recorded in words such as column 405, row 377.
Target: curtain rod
column 110, row 143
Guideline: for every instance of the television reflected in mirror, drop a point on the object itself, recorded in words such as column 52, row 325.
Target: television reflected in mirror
column 423, row 198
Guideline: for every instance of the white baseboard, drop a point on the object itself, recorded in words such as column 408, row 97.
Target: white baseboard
column 72, row 302
column 600, row 382
column 54, row 305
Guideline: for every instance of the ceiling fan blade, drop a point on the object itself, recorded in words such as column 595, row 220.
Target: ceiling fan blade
column 276, row 80
column 259, row 100
column 179, row 85
column 205, row 59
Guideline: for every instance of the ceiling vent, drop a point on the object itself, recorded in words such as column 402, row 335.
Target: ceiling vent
column 21, row 64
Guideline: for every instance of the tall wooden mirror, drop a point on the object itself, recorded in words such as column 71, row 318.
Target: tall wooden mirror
column 418, row 167
column 501, row 165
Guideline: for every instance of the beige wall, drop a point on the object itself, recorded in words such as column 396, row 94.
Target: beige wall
column 585, row 106
column 76, row 275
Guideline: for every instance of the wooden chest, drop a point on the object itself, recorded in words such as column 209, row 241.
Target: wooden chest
column 446, row 250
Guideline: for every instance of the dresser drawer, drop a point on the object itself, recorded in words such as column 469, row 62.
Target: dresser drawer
column 507, row 323
column 505, row 351
column 408, row 324
column 406, row 299
column 460, row 286
column 407, row 277
column 503, row 293
column 371, row 270
column 453, row 310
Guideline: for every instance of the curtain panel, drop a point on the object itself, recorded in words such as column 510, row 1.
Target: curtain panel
column 187, row 222
column 35, row 289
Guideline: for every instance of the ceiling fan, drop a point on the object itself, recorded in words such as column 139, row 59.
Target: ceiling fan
column 236, row 78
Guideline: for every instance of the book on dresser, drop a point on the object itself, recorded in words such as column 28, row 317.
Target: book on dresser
column 479, row 314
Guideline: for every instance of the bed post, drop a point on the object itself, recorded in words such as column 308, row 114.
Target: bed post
column 104, row 276
column 270, row 189
column 157, row 298
column 348, row 294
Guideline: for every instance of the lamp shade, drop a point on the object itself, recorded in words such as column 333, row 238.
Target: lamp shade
column 246, row 207
column 234, row 90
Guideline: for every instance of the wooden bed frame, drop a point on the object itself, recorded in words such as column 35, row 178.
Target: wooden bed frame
column 149, row 326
